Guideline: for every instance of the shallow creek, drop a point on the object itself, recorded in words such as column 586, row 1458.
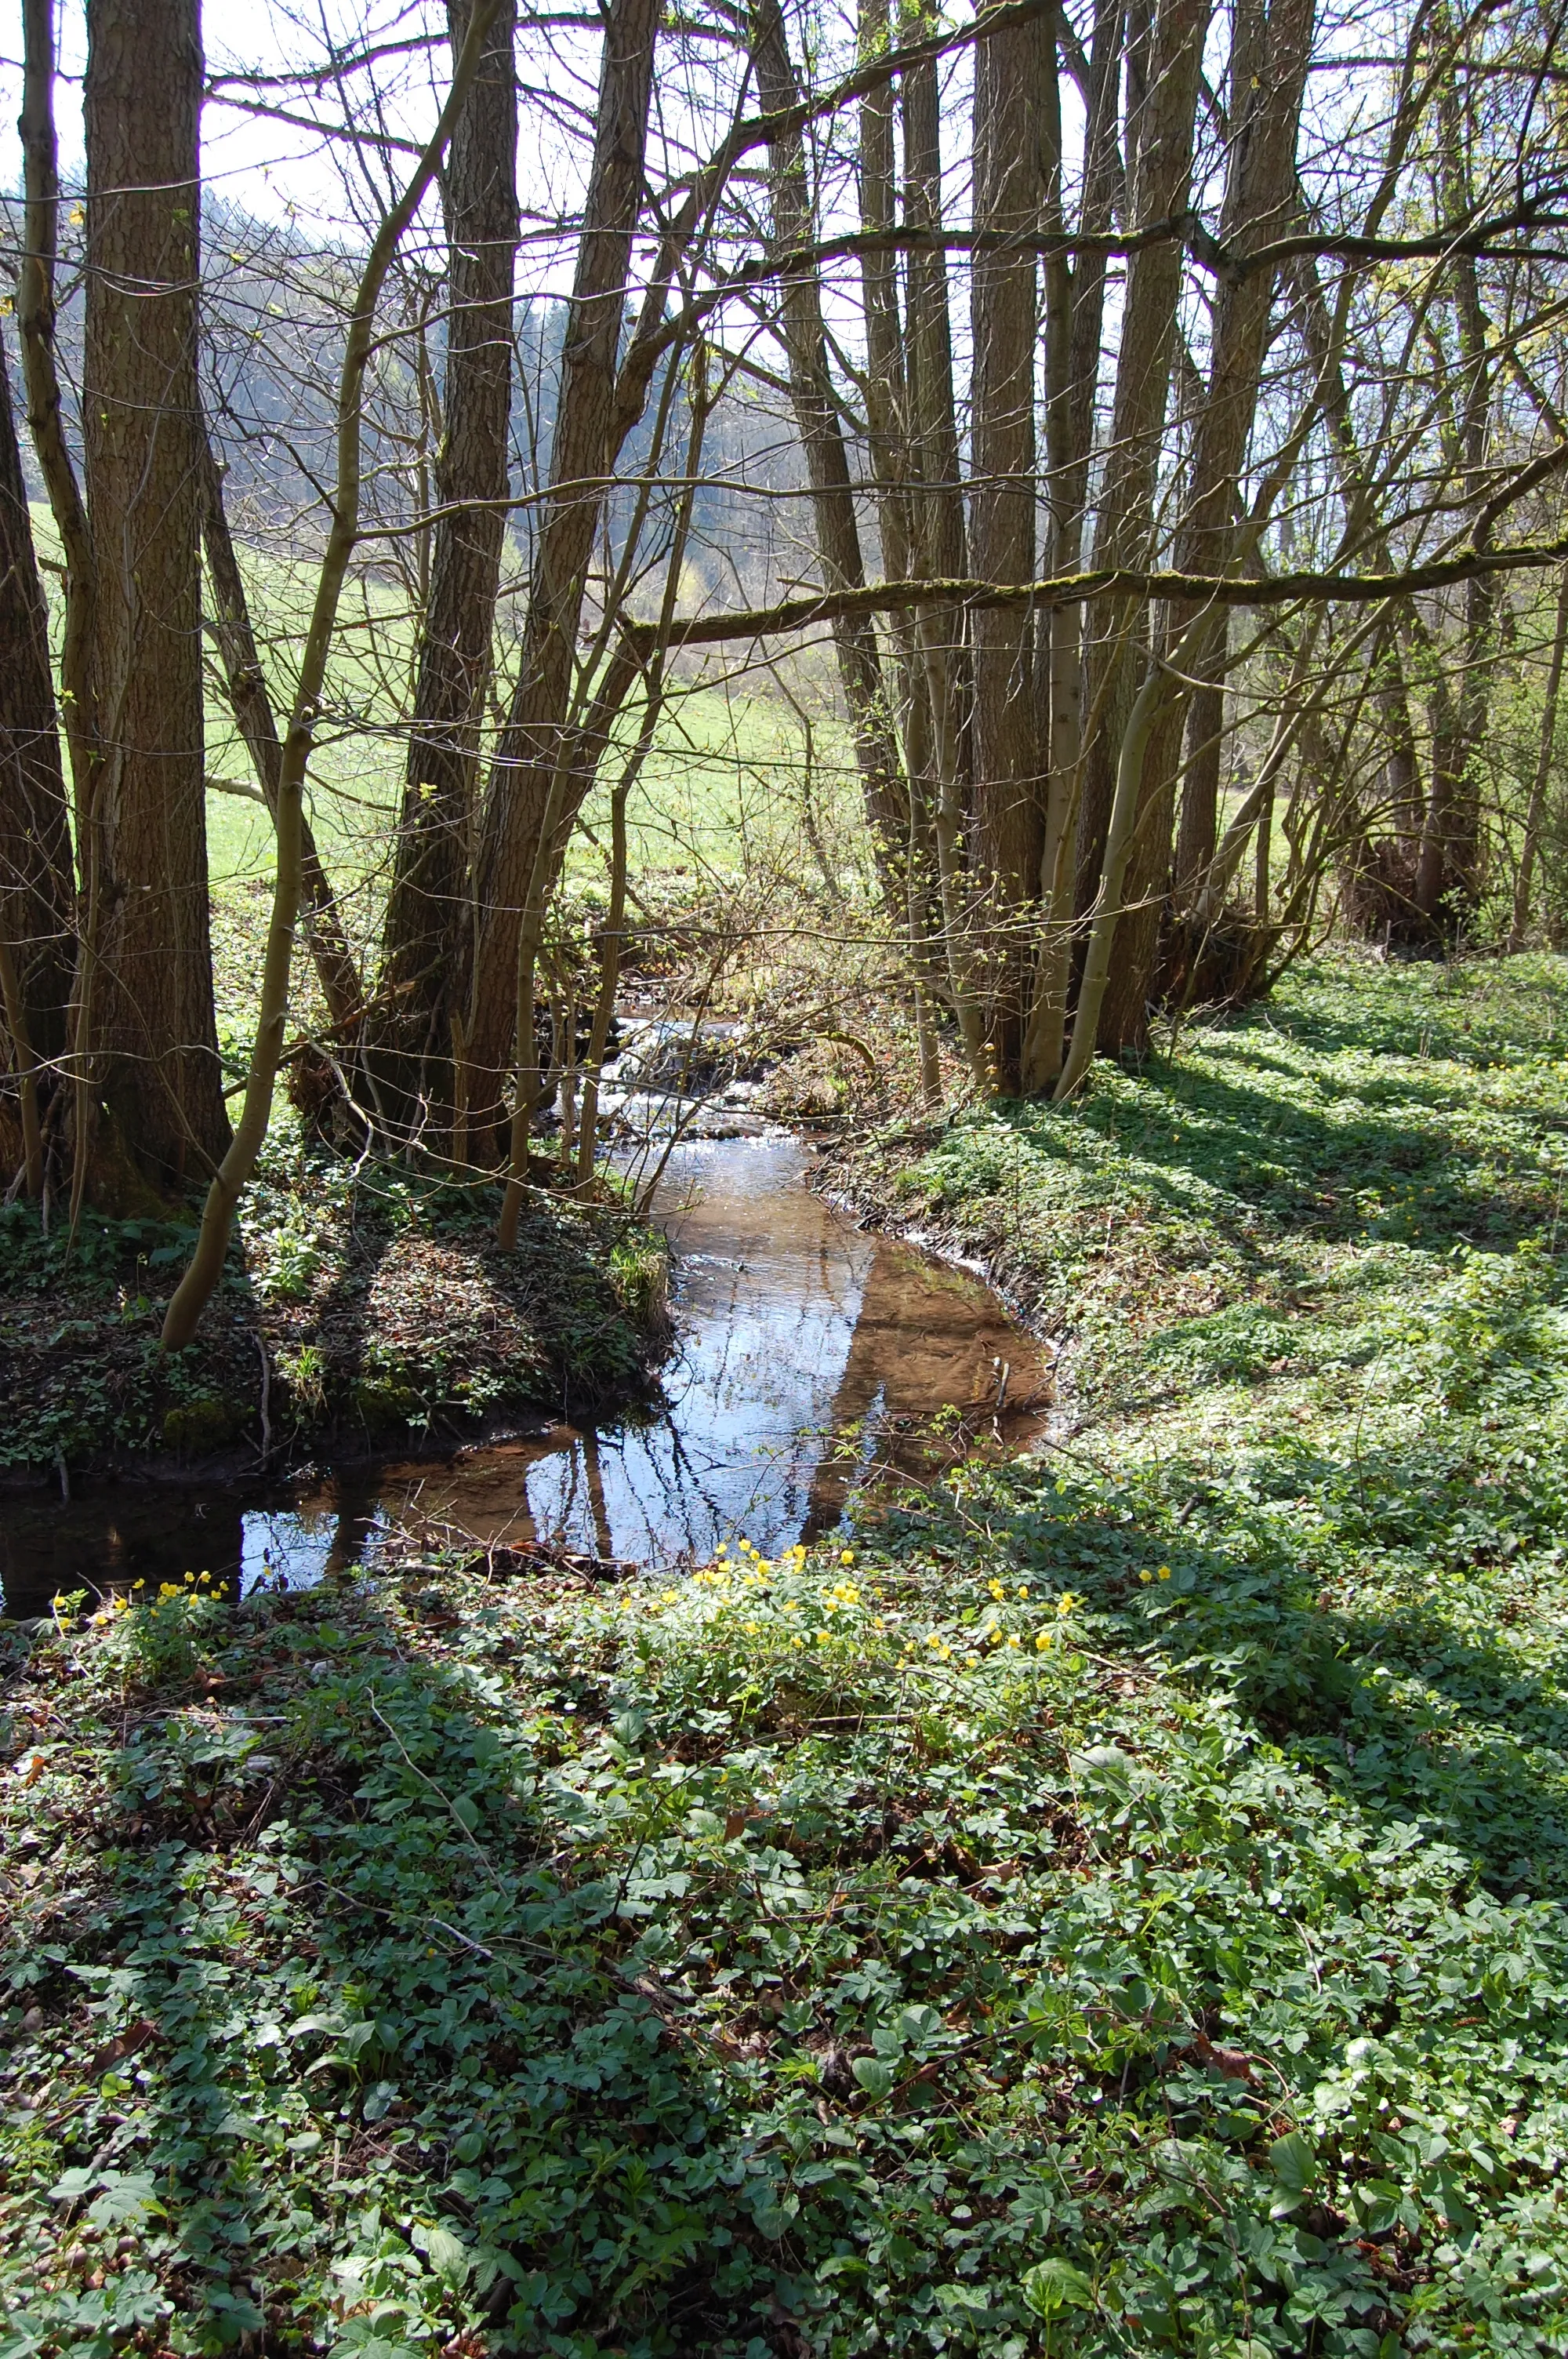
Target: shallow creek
column 809, row 1352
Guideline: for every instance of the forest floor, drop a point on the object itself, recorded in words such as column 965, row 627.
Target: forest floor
column 1111, row 1903
column 360, row 1302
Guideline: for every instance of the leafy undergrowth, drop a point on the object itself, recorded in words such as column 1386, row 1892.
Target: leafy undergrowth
column 1301, row 1169
column 376, row 1295
column 1117, row 1906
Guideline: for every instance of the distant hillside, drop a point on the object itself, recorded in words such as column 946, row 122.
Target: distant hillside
column 274, row 313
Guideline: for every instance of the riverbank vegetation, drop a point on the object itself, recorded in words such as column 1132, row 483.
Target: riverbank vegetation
column 1124, row 478
column 360, row 1304
column 1006, row 573
column 1112, row 1902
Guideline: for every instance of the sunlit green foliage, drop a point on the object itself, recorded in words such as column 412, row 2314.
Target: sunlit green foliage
column 1114, row 1906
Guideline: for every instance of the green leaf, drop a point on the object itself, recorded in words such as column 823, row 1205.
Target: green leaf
column 874, row 2075
column 125, row 2196
column 958, row 2298
column 447, row 2253
column 1294, row 2162
column 1056, row 2285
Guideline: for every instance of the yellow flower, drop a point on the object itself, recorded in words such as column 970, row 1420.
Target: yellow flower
column 1013, row 1638
column 996, row 1589
column 1043, row 1642
column 1023, row 1589
column 971, row 1659
column 995, row 1637
column 877, row 1621
column 749, row 1626
column 1164, row 1573
column 846, row 1556
column 1067, row 1603
column 1145, row 1576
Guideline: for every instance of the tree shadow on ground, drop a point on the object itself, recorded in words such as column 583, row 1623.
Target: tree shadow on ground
column 1243, row 1152
column 430, row 1992
column 1403, row 1699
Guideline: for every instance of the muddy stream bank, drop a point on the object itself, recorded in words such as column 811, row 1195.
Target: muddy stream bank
column 808, row 1352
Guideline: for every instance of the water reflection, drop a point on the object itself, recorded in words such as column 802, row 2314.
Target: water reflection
column 808, row 1351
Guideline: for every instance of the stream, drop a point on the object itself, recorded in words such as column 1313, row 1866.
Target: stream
column 808, row 1353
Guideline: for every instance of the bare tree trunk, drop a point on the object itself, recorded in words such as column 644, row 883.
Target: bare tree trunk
column 890, row 438
column 257, row 724
column 408, row 1047
column 523, row 806
column 1323, row 334
column 36, row 915
column 1535, row 811
column 939, row 547
column 45, row 420
column 205, row 1268
column 1075, row 312
column 837, row 529
column 1403, row 769
column 1163, row 72
column 612, row 943
column 36, row 319
column 1270, row 49
column 1008, row 830
column 1271, row 46
column 1105, row 918
column 153, row 1043
column 1448, row 864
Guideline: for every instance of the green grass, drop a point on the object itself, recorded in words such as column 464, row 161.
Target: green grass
column 1122, row 1911
column 721, row 790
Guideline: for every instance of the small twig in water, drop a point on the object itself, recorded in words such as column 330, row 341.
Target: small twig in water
column 265, row 1397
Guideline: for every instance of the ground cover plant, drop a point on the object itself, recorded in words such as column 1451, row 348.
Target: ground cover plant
column 360, row 1301
column 1112, row 1904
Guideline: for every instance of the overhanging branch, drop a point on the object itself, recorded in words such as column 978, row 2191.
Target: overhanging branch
column 1301, row 588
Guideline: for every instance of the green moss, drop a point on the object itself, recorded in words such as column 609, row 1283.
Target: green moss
column 380, row 1402
column 196, row 1427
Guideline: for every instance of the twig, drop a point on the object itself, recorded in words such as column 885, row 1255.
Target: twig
column 265, row 1397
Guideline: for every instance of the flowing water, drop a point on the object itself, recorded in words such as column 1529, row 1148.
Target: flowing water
column 808, row 1353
